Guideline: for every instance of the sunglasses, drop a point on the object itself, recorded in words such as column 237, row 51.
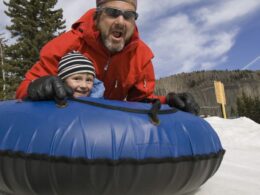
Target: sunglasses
column 113, row 12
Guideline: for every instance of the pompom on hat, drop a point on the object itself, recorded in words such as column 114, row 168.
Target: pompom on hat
column 133, row 2
column 73, row 63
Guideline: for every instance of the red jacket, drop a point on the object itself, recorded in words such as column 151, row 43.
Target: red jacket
column 126, row 75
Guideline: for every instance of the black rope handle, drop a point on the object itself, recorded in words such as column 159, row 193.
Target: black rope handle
column 124, row 109
column 153, row 112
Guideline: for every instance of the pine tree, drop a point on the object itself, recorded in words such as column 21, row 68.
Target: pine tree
column 3, row 82
column 33, row 23
column 7, row 76
column 249, row 107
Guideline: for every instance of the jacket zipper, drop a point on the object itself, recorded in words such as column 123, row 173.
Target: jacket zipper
column 145, row 84
column 116, row 84
column 106, row 66
column 106, row 69
column 108, row 63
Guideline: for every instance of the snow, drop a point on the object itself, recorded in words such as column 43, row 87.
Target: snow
column 239, row 173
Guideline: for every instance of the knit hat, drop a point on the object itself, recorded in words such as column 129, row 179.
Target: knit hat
column 73, row 63
column 133, row 2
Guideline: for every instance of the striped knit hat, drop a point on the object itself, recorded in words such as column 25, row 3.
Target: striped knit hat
column 74, row 62
column 133, row 2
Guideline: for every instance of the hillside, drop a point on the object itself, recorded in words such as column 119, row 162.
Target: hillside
column 201, row 85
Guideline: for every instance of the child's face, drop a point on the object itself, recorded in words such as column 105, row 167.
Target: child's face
column 81, row 84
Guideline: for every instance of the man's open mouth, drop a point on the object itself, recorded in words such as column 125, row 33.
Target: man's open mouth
column 117, row 34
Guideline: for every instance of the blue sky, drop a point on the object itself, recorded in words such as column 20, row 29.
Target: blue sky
column 189, row 35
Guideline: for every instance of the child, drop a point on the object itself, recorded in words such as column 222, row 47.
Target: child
column 78, row 73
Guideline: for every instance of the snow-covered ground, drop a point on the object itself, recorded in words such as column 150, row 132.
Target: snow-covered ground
column 239, row 173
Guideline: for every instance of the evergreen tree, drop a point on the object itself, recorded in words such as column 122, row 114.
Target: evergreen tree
column 3, row 80
column 2, row 69
column 33, row 23
column 7, row 76
column 249, row 107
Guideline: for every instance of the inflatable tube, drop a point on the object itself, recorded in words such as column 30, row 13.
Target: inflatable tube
column 96, row 146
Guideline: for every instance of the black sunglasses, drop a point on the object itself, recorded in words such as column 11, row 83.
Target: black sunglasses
column 113, row 12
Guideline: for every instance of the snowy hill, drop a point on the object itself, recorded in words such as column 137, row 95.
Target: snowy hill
column 239, row 173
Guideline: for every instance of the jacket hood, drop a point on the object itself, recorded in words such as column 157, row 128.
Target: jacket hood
column 86, row 25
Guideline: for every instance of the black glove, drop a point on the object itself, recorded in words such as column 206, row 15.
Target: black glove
column 183, row 101
column 49, row 87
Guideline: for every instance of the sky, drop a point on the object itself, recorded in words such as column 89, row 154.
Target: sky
column 188, row 35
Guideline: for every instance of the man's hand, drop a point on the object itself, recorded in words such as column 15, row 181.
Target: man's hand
column 49, row 87
column 183, row 101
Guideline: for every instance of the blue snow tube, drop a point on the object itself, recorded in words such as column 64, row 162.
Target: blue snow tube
column 97, row 146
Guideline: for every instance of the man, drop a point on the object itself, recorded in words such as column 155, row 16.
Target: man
column 108, row 36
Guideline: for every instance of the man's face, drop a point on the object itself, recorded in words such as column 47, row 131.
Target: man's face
column 116, row 32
